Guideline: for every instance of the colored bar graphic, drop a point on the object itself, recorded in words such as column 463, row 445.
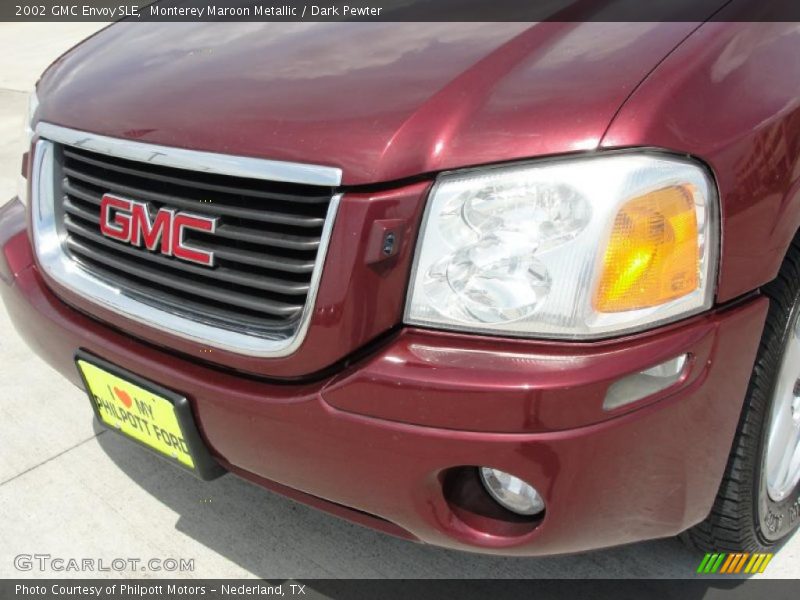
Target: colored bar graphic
column 734, row 563
column 740, row 563
column 767, row 558
column 754, row 563
column 717, row 563
column 727, row 566
column 703, row 563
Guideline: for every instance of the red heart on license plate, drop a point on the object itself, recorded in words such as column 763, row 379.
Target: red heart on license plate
column 123, row 397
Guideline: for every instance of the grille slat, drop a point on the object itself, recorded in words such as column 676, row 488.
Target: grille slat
column 178, row 282
column 258, row 259
column 187, row 204
column 235, row 317
column 265, row 244
column 239, row 255
column 221, row 272
column 279, row 240
column 234, row 232
column 87, row 215
column 109, row 163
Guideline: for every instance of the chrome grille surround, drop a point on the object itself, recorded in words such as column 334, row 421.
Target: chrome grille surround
column 60, row 264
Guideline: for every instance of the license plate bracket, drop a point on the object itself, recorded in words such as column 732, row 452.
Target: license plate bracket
column 146, row 413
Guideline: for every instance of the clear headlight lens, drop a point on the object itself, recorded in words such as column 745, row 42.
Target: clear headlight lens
column 576, row 248
column 22, row 183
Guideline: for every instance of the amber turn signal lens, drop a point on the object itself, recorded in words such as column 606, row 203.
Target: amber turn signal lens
column 653, row 254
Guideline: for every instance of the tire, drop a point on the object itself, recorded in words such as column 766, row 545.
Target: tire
column 748, row 515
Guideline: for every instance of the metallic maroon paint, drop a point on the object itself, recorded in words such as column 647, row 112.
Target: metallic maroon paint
column 469, row 383
column 428, row 98
column 18, row 257
column 590, row 475
column 383, row 101
column 730, row 96
column 358, row 300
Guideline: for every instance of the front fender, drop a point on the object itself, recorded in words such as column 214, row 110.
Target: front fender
column 730, row 96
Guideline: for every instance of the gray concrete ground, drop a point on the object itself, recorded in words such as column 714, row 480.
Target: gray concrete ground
column 70, row 491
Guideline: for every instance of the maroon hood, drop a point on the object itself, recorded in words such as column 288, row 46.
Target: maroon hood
column 382, row 101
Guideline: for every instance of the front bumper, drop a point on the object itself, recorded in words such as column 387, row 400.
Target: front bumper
column 378, row 443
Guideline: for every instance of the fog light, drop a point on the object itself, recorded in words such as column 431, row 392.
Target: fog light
column 511, row 492
column 645, row 383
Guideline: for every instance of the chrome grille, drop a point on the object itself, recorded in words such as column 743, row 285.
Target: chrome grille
column 274, row 221
column 265, row 243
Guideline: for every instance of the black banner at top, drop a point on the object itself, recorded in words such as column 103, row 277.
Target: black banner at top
column 399, row 10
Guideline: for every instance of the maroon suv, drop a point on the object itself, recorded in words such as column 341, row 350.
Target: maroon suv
column 510, row 288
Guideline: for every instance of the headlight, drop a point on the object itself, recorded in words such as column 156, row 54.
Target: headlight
column 573, row 248
column 22, row 183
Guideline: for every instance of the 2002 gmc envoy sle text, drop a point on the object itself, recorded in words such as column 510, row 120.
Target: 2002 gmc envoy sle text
column 508, row 288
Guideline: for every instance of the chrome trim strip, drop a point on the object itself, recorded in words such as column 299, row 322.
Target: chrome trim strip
column 194, row 160
column 60, row 267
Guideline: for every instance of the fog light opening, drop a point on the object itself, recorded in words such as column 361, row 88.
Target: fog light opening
column 512, row 493
column 646, row 383
column 475, row 509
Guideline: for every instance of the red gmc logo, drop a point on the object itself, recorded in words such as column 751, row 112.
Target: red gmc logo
column 129, row 221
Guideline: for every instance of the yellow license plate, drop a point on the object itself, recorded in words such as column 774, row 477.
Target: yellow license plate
column 137, row 412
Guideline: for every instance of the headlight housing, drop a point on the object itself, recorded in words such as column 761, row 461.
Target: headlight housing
column 22, row 182
column 575, row 248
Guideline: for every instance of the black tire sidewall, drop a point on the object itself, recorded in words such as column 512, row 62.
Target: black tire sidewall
column 775, row 520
